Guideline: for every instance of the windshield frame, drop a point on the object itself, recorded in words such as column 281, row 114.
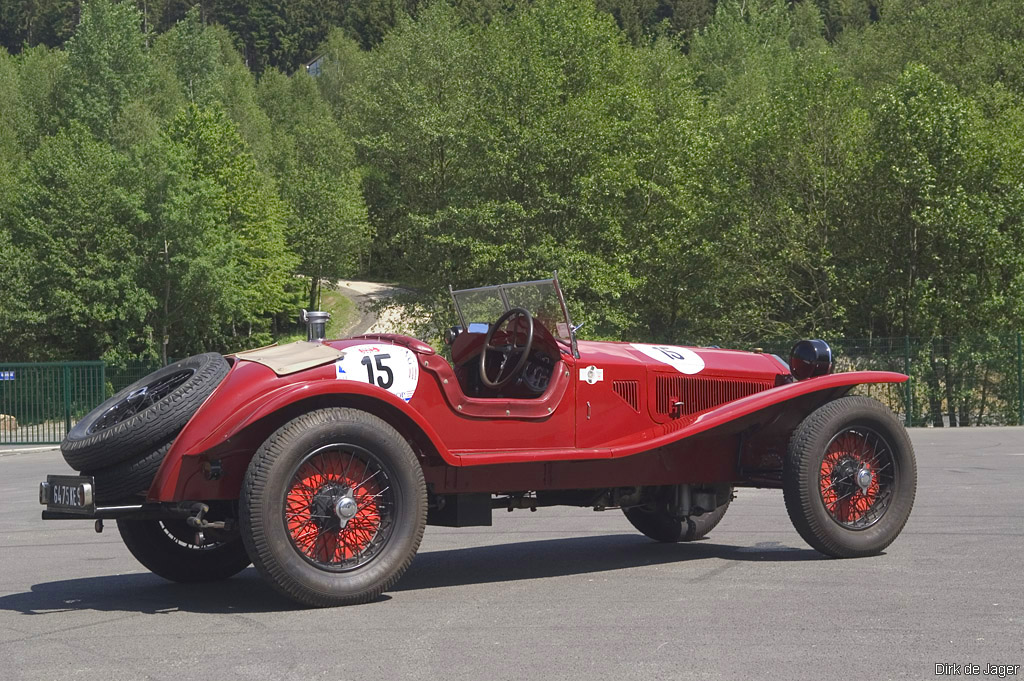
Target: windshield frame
column 502, row 291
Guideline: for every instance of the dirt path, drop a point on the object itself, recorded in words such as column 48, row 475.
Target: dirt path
column 364, row 294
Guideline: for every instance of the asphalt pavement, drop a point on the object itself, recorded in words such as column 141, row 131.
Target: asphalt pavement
column 556, row 594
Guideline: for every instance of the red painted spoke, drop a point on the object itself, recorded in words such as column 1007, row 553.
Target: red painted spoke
column 316, row 531
column 847, row 455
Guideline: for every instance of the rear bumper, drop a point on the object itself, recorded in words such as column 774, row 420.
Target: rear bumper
column 148, row 511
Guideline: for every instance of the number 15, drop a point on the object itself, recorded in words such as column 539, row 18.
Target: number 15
column 381, row 367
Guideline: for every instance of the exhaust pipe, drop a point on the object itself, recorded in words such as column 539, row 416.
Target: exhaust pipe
column 316, row 324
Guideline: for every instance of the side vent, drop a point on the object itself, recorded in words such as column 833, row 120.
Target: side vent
column 677, row 396
column 628, row 391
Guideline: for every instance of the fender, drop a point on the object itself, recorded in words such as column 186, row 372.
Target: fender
column 250, row 393
column 670, row 433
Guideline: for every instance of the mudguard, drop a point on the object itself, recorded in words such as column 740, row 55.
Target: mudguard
column 250, row 393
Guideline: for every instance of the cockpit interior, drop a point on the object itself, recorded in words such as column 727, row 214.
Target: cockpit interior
column 510, row 339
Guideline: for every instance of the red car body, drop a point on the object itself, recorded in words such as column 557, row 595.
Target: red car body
column 613, row 432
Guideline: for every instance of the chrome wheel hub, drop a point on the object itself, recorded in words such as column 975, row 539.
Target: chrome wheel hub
column 864, row 479
column 346, row 508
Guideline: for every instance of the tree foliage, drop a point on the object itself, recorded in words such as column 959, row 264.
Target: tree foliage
column 140, row 212
column 733, row 172
column 75, row 218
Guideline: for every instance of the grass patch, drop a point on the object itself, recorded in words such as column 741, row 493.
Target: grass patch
column 343, row 313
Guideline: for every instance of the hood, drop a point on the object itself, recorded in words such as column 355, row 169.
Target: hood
column 676, row 359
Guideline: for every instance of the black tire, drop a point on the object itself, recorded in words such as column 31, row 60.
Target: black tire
column 278, row 506
column 662, row 526
column 129, row 478
column 828, row 453
column 166, row 548
column 130, row 424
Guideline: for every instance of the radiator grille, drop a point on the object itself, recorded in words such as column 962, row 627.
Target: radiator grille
column 699, row 394
column 628, row 391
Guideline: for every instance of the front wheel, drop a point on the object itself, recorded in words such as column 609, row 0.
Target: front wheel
column 333, row 507
column 849, row 478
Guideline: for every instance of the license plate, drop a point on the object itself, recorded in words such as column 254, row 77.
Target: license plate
column 68, row 493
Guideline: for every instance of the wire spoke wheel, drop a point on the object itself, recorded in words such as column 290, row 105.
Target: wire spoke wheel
column 333, row 507
column 180, row 534
column 141, row 418
column 857, row 476
column 173, row 550
column 141, row 399
column 660, row 523
column 849, row 478
column 339, row 507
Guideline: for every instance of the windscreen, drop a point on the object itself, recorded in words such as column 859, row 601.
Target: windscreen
column 484, row 305
column 542, row 301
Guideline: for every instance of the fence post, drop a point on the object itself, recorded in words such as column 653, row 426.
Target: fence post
column 910, row 391
column 103, row 383
column 1020, row 382
column 67, row 398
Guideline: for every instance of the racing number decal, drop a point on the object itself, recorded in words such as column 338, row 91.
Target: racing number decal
column 683, row 360
column 384, row 368
column 390, row 367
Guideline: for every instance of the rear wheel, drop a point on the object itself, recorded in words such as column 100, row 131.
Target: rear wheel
column 169, row 548
column 333, row 507
column 850, row 478
column 661, row 525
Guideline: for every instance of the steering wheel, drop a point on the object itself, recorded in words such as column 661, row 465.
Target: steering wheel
column 506, row 350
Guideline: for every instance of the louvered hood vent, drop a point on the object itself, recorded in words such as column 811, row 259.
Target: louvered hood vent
column 699, row 394
column 628, row 391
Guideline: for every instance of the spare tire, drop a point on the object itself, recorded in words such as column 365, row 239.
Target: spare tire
column 144, row 416
column 130, row 478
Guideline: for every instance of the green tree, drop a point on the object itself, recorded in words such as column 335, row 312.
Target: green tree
column 941, row 242
column 194, row 57
column 368, row 21
column 790, row 138
column 410, row 112
column 341, row 72
column 237, row 88
column 316, row 169
column 218, row 191
column 308, row 24
column 15, row 114
column 107, row 67
column 40, row 71
column 76, row 218
column 37, row 22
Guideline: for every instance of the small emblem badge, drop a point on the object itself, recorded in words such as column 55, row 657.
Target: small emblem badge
column 591, row 374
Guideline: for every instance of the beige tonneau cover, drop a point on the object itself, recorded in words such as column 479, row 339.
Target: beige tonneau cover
column 293, row 357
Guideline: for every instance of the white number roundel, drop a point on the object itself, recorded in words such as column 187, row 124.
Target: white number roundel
column 391, row 367
column 683, row 360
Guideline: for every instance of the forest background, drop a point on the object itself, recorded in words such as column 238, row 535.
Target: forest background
column 740, row 172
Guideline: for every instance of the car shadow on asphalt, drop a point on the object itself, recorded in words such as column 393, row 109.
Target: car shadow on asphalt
column 578, row 555
column 247, row 593
column 147, row 593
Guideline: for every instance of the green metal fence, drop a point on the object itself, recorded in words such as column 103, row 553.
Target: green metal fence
column 39, row 402
column 963, row 382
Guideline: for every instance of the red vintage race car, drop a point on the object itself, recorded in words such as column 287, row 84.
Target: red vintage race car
column 321, row 462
